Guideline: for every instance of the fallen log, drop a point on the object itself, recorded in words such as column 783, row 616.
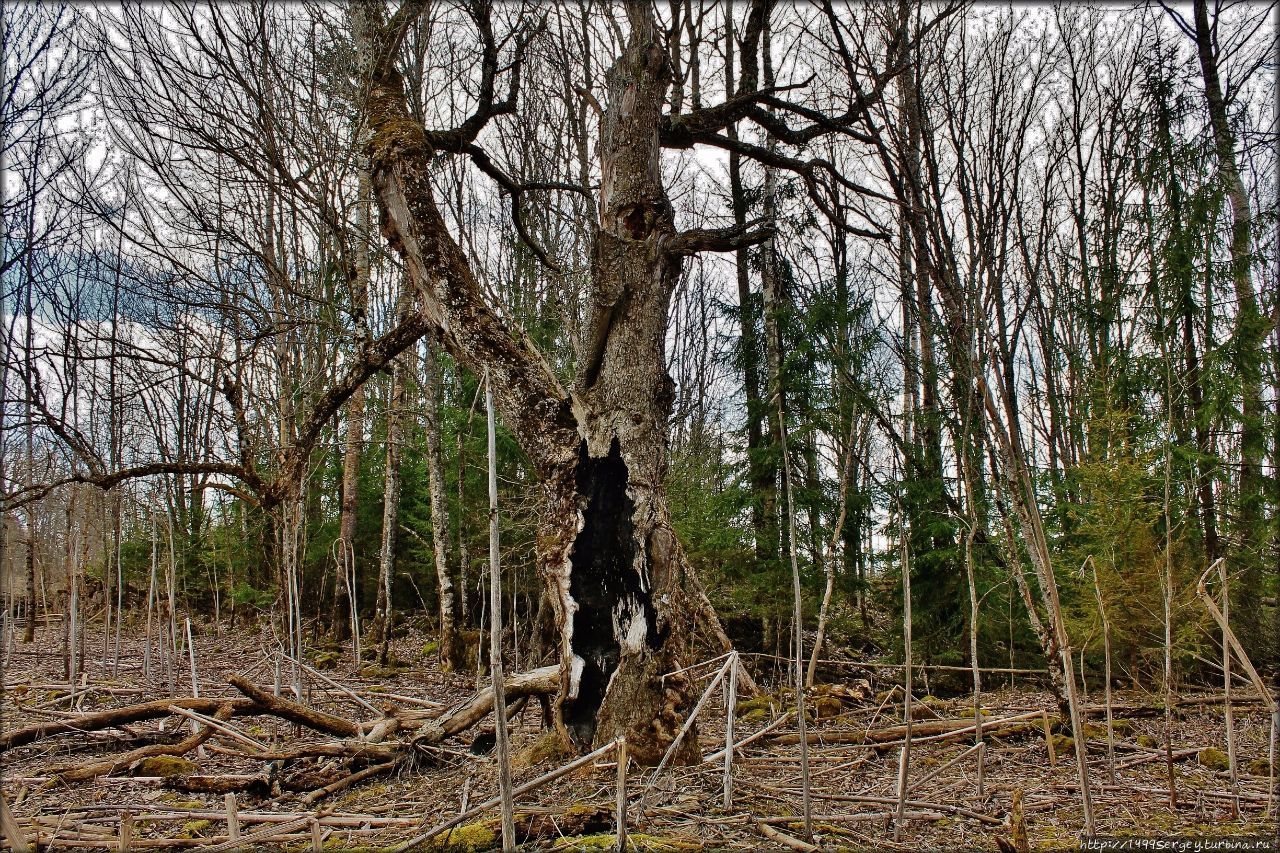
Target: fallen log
column 539, row 681
column 785, row 840
column 333, row 749
column 116, row 717
column 347, row 781
column 295, row 712
column 935, row 729
column 85, row 772
column 258, row 785
column 1187, row 703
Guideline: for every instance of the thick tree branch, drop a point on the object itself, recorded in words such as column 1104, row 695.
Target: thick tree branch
column 458, row 138
column 400, row 150
column 728, row 239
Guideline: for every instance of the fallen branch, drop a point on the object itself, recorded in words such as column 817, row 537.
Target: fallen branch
column 332, row 749
column 221, row 727
column 116, row 717
column 262, row 836
column 347, row 781
column 785, row 840
column 85, row 772
column 543, row 680
column 294, row 711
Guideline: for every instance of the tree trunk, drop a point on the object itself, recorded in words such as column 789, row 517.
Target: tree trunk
column 450, row 650
column 1250, row 329
column 381, row 629
column 348, row 623
column 762, row 472
column 624, row 609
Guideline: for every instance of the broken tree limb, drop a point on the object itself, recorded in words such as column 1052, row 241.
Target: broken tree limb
column 1212, row 607
column 785, row 840
column 333, row 749
column 347, row 781
column 12, row 831
column 1258, row 683
column 115, row 717
column 85, row 772
column 221, row 727
column 747, row 741
column 346, row 691
column 295, row 712
column 543, row 680
column 918, row 783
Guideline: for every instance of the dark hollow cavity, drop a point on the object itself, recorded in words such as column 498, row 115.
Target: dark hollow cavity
column 602, row 582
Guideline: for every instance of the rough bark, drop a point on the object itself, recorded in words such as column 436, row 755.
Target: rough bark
column 294, row 711
column 536, row 682
column 605, row 544
column 83, row 772
column 621, row 590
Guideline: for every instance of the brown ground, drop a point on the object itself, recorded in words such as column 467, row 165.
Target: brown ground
column 683, row 811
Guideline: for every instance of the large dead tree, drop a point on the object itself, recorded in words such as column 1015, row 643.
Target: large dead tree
column 625, row 597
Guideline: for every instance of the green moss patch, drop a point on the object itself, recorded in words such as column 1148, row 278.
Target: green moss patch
column 469, row 837
column 1214, row 759
column 167, row 766
column 549, row 747
column 195, row 828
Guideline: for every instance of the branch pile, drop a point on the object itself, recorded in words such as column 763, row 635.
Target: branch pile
column 357, row 749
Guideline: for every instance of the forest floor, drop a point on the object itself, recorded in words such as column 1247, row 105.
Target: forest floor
column 854, row 783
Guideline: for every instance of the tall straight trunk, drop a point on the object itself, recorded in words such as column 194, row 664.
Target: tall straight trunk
column 762, row 472
column 929, row 516
column 383, row 620
column 348, row 623
column 450, row 649
column 29, row 630
column 1250, row 329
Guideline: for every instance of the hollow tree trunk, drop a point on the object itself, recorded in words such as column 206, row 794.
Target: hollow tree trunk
column 623, row 609
column 621, row 588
